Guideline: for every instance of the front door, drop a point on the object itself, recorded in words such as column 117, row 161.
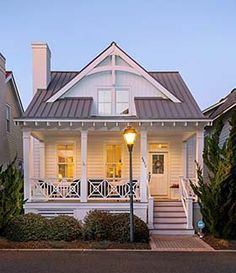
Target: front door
column 158, row 174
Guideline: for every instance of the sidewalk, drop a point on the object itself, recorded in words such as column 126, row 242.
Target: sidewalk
column 178, row 243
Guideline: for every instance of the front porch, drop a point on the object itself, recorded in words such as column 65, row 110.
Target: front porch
column 73, row 169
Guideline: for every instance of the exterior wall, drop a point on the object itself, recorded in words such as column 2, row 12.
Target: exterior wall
column 14, row 138
column 3, row 137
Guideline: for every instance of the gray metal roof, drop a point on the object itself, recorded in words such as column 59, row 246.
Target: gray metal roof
column 222, row 106
column 147, row 108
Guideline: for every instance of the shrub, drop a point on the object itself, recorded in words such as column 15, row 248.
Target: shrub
column 11, row 193
column 113, row 227
column 65, row 228
column 97, row 226
column 121, row 229
column 27, row 227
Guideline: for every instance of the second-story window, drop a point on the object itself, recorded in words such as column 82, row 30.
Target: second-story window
column 8, row 118
column 113, row 101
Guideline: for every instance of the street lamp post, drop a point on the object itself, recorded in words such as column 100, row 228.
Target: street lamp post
column 129, row 136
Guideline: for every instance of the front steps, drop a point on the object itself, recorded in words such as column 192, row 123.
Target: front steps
column 169, row 219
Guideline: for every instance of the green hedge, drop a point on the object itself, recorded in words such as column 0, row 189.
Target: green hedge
column 27, row 227
column 113, row 227
column 65, row 228
column 98, row 226
column 33, row 227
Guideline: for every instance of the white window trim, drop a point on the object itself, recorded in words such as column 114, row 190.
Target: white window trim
column 7, row 106
column 113, row 100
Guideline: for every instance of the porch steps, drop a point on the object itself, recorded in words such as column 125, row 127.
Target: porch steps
column 169, row 219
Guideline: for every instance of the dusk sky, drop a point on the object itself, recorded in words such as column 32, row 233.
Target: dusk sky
column 196, row 38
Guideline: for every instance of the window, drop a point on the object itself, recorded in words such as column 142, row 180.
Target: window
column 158, row 164
column 65, row 161
column 122, row 101
column 105, row 102
column 113, row 161
column 114, row 101
column 8, row 118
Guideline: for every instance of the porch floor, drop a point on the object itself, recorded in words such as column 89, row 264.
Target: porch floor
column 178, row 243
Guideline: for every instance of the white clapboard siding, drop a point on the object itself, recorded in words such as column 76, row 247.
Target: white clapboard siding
column 36, row 157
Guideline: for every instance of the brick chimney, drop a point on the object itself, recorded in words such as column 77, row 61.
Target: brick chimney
column 41, row 66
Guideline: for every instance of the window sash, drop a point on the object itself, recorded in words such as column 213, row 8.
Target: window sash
column 65, row 160
column 113, row 161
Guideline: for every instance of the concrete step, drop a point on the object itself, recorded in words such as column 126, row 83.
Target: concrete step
column 171, row 209
column 172, row 231
column 170, row 220
column 170, row 226
column 168, row 214
column 167, row 204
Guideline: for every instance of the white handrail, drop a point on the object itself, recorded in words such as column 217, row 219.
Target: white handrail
column 186, row 195
column 150, row 207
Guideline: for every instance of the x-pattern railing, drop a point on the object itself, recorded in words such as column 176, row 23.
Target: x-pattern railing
column 111, row 189
column 55, row 189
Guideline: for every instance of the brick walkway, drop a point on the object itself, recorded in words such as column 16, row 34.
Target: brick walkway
column 178, row 243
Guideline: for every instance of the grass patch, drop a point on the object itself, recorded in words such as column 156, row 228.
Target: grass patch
column 77, row 244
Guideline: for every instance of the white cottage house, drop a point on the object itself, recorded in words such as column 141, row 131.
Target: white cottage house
column 75, row 157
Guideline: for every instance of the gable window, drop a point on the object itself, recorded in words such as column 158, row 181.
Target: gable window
column 8, row 118
column 65, row 160
column 113, row 161
column 114, row 101
column 105, row 102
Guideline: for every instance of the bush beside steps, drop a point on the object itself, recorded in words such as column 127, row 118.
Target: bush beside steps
column 98, row 226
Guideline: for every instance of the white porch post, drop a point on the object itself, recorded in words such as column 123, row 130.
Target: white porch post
column 27, row 159
column 143, row 167
column 84, row 182
column 199, row 147
column 185, row 160
column 42, row 159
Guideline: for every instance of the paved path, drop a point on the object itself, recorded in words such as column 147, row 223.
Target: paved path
column 178, row 243
column 116, row 262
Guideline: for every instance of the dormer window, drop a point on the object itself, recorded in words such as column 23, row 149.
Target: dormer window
column 113, row 101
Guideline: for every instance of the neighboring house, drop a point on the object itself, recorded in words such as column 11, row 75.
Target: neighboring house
column 222, row 110
column 75, row 157
column 11, row 144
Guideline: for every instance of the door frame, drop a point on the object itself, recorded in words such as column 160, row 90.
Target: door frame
column 164, row 151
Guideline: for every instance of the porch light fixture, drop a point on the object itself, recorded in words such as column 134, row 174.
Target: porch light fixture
column 130, row 136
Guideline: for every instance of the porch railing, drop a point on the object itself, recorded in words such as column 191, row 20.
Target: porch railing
column 187, row 196
column 70, row 189
column 55, row 189
column 150, row 207
column 118, row 189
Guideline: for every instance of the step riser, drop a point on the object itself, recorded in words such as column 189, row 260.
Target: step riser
column 168, row 204
column 169, row 214
column 171, row 209
column 170, row 226
column 173, row 232
column 160, row 220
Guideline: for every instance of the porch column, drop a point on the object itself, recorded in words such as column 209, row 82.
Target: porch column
column 143, row 166
column 42, row 159
column 27, row 166
column 185, row 160
column 84, row 183
column 199, row 147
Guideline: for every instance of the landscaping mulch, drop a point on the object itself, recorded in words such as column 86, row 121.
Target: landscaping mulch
column 7, row 244
column 220, row 244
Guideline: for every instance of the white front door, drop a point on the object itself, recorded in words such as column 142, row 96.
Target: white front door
column 158, row 174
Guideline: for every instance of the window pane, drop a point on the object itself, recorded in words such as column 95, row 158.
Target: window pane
column 65, row 159
column 104, row 96
column 122, row 95
column 113, row 163
column 104, row 108
column 158, row 164
column 122, row 108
